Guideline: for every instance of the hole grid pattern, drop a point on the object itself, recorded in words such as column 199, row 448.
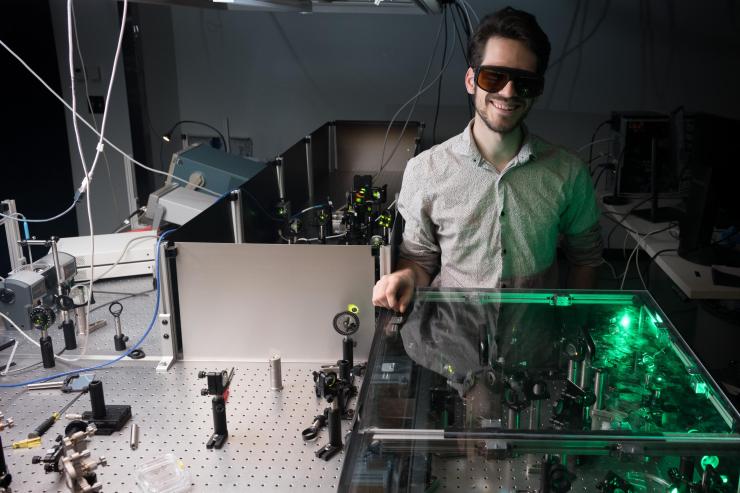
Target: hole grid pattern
column 264, row 451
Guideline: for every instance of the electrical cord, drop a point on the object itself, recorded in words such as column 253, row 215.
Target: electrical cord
column 463, row 49
column 87, row 182
column 593, row 139
column 626, row 215
column 120, row 293
column 128, row 296
column 308, row 209
column 48, row 219
column 120, row 257
column 439, row 84
column 611, row 267
column 123, row 355
column 567, row 53
column 414, row 99
column 667, row 250
column 88, row 175
column 208, row 125
column 579, row 59
column 26, row 368
column 30, row 339
column 608, row 216
column 464, row 13
column 571, row 28
column 591, row 144
column 604, row 167
column 116, row 207
column 634, row 251
column 92, row 128
column 472, row 10
column 652, row 259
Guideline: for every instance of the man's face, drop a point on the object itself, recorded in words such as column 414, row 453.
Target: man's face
column 503, row 111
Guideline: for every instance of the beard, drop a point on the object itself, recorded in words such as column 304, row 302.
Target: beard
column 501, row 128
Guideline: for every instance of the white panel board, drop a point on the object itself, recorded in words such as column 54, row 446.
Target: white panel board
column 241, row 302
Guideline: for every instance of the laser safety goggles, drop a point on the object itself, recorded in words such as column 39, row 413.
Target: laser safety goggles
column 492, row 79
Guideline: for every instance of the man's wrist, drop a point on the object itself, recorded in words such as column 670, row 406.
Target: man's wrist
column 408, row 273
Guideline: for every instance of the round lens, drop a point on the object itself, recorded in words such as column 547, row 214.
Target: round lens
column 491, row 80
column 528, row 87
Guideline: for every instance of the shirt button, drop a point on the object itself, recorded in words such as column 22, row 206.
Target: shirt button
column 503, row 252
column 503, row 213
column 503, row 285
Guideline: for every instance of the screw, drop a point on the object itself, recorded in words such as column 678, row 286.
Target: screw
column 166, row 336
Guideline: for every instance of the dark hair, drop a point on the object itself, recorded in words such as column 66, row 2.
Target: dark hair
column 513, row 24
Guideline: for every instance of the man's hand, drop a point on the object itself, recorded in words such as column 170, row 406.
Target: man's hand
column 394, row 291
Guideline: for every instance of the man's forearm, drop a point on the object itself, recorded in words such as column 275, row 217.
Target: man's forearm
column 421, row 277
column 582, row 277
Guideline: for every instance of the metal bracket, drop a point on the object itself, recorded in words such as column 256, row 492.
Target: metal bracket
column 165, row 331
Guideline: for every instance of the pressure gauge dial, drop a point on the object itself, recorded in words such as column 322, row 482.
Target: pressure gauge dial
column 42, row 317
column 346, row 323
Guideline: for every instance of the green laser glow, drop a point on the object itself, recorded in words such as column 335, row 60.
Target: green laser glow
column 626, row 321
column 700, row 388
column 711, row 460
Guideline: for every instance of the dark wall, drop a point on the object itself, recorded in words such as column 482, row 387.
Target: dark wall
column 35, row 156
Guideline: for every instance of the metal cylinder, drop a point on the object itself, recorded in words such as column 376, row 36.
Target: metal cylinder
column 237, row 221
column 309, row 168
column 57, row 266
column 276, row 374
column 117, row 325
column 573, row 371
column 79, row 296
column 535, row 415
column 583, row 373
column 513, row 419
column 81, row 316
column 335, row 425
column 45, row 385
column 348, row 345
column 134, row 440
column 70, row 340
column 97, row 399
column 345, row 370
column 599, row 380
column 280, row 177
column 47, row 350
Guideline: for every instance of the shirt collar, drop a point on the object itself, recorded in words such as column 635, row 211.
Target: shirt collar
column 468, row 148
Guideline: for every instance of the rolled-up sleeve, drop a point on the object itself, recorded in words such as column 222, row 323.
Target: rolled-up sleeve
column 419, row 243
column 579, row 224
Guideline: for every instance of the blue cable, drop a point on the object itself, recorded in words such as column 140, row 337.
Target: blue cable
column 119, row 358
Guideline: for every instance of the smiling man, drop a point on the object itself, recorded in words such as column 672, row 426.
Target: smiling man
column 487, row 208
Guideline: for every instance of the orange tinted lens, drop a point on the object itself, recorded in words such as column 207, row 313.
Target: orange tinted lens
column 492, row 81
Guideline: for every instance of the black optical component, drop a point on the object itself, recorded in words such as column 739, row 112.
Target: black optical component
column 527, row 84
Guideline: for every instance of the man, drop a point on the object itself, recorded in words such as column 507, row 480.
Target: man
column 488, row 207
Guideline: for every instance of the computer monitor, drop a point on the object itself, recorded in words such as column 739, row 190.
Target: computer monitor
column 705, row 144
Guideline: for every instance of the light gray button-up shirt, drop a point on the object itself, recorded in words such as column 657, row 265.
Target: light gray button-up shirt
column 470, row 226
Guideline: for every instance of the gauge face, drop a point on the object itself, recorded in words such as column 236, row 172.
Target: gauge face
column 346, row 323
column 42, row 317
